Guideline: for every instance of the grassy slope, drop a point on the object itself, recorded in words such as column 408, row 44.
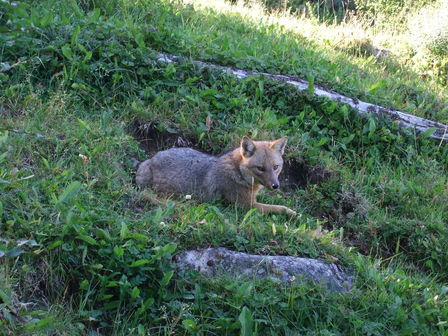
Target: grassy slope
column 251, row 39
column 102, row 255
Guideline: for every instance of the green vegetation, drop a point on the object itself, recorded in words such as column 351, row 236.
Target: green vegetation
column 82, row 254
column 247, row 38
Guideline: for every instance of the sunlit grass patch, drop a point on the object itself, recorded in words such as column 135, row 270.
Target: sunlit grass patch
column 365, row 59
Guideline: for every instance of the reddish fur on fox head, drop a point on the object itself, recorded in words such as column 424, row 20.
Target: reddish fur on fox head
column 262, row 160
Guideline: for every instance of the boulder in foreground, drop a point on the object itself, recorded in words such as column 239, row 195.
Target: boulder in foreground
column 223, row 262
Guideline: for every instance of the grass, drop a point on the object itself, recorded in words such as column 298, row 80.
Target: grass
column 82, row 253
column 249, row 38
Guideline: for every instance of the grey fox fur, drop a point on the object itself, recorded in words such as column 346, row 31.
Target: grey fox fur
column 237, row 175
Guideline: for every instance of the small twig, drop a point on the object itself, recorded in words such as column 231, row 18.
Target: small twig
column 443, row 137
column 93, row 98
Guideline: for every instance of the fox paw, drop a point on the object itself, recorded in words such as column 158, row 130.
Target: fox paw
column 288, row 211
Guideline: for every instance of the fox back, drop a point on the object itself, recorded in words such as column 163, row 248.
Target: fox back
column 178, row 171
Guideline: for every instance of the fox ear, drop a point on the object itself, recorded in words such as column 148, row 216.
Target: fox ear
column 279, row 144
column 247, row 147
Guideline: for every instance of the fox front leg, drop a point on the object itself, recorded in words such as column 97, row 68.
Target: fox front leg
column 249, row 201
column 265, row 208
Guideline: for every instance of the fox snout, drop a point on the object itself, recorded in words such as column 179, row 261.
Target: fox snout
column 271, row 181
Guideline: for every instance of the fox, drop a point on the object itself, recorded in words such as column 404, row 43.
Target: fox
column 237, row 175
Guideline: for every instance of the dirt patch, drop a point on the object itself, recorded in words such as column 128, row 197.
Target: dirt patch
column 7, row 112
column 152, row 139
column 296, row 173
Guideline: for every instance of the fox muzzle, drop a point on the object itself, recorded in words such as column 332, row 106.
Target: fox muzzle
column 272, row 182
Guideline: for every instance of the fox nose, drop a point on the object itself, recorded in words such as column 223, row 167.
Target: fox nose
column 275, row 185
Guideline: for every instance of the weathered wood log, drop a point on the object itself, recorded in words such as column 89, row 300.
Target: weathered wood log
column 404, row 119
column 219, row 261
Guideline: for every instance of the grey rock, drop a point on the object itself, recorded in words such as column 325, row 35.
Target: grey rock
column 219, row 261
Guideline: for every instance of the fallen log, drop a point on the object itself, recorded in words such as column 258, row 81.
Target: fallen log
column 219, row 262
column 404, row 119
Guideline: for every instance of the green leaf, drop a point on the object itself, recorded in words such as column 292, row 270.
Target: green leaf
column 245, row 289
column 208, row 92
column 171, row 130
column 124, row 231
column 84, row 284
column 94, row 15
column 190, row 325
column 75, row 35
column 322, row 142
column 42, row 323
column 348, row 139
column 103, row 234
column 69, row 192
column 140, row 262
column 47, row 19
column 55, row 244
column 377, row 85
column 67, row 51
column 140, row 40
column 87, row 239
column 118, row 251
column 166, row 278
column 310, row 88
column 84, row 124
column 135, row 293
column 372, row 127
column 428, row 132
column 138, row 236
column 111, row 305
column 149, row 302
column 3, row 156
column 106, row 297
column 246, row 321
column 97, row 266
column 88, row 56
column 4, row 136
column 145, row 305
column 168, row 249
column 6, row 299
column 247, row 215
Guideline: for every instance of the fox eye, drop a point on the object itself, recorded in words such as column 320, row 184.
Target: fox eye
column 275, row 167
column 260, row 169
